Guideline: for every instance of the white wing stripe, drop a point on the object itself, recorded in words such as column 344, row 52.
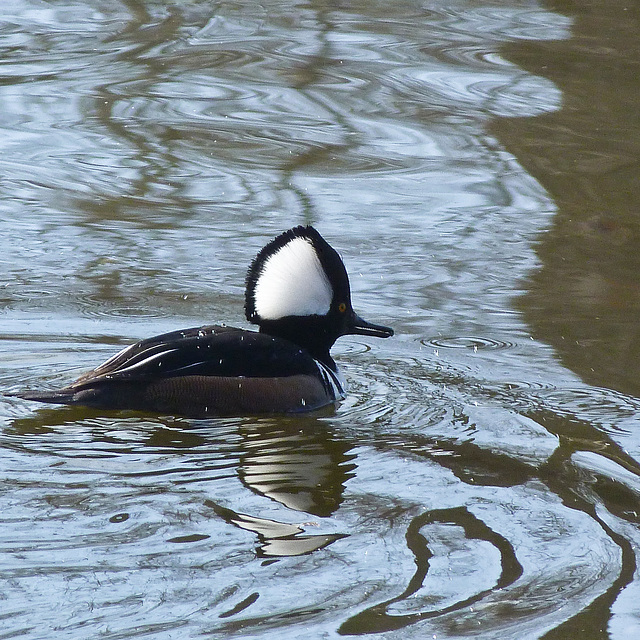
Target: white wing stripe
column 144, row 362
column 114, row 357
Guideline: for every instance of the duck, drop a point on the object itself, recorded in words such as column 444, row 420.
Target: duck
column 297, row 293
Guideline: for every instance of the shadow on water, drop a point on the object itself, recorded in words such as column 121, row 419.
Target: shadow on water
column 130, row 108
column 377, row 619
column 585, row 299
column 581, row 493
column 578, row 489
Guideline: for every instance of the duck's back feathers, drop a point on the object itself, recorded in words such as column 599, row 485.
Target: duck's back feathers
column 208, row 351
column 209, row 370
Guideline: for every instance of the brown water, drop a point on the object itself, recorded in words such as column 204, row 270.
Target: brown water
column 476, row 164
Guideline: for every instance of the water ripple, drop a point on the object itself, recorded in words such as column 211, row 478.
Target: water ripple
column 468, row 484
column 444, row 553
column 466, row 342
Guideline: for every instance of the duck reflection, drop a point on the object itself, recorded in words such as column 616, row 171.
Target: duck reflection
column 297, row 462
column 300, row 465
column 277, row 539
column 301, row 468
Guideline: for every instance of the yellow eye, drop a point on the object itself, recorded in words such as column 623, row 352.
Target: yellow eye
column 342, row 307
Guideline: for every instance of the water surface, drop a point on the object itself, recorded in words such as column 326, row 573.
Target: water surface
column 475, row 163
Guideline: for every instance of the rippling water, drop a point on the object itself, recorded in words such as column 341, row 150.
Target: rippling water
column 475, row 163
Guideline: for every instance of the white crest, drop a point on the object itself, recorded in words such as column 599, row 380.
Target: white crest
column 292, row 282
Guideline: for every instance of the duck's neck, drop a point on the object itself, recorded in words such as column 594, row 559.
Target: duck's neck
column 308, row 332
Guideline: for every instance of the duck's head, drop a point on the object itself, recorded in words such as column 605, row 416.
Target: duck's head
column 298, row 289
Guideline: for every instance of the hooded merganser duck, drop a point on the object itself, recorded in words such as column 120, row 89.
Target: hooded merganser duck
column 297, row 292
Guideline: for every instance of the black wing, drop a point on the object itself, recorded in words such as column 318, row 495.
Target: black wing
column 204, row 351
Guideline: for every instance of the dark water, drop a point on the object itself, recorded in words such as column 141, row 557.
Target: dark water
column 476, row 164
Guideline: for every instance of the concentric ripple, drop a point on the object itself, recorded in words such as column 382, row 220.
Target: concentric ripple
column 466, row 342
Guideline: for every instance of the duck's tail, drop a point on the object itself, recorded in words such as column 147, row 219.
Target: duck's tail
column 62, row 396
